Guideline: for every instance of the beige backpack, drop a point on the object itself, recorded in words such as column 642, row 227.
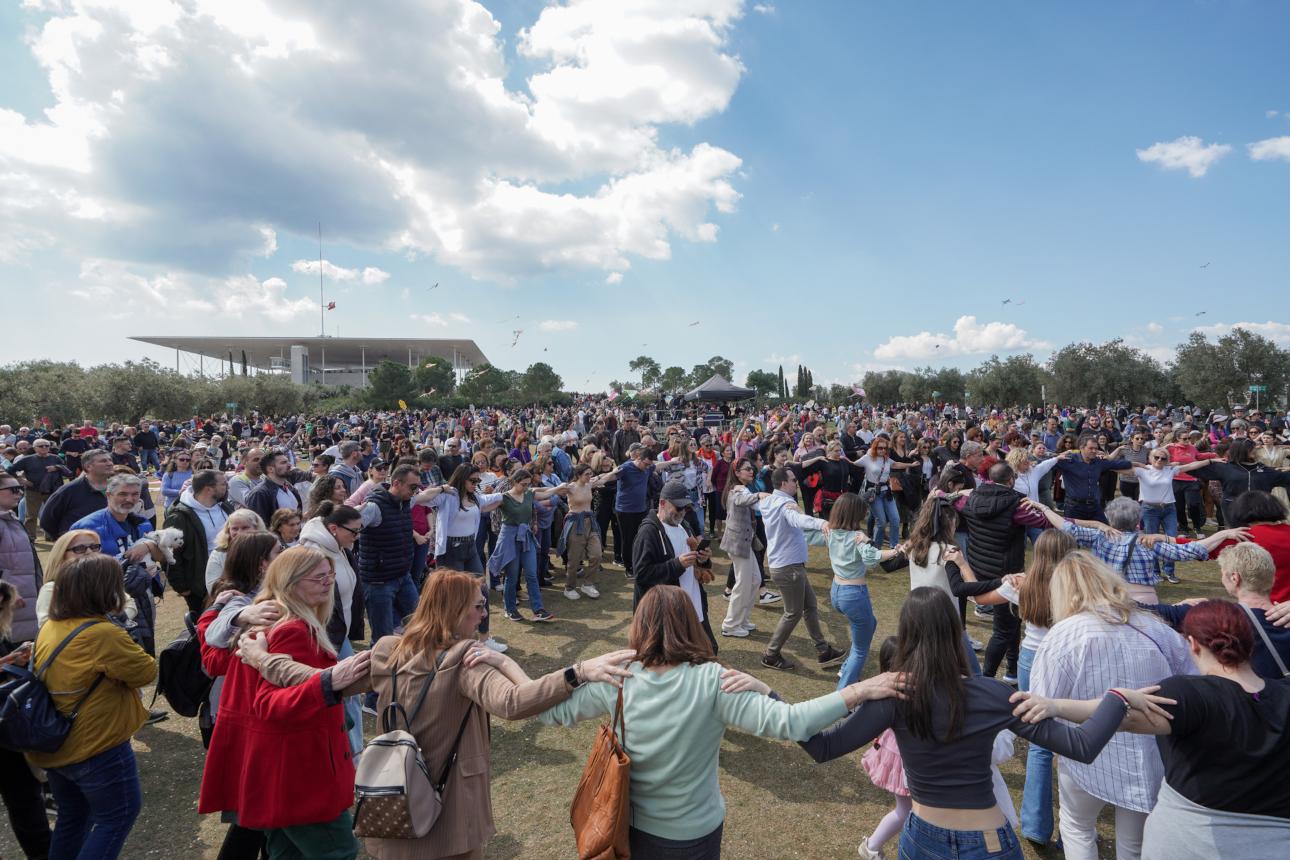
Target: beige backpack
column 395, row 796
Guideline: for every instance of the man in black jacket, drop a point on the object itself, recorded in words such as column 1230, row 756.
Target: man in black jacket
column 41, row 474
column 199, row 514
column 664, row 554
column 626, row 436
column 78, row 498
column 996, row 546
column 276, row 491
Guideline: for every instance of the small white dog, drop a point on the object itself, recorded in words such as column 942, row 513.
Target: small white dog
column 167, row 540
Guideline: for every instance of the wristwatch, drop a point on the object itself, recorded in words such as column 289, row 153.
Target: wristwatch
column 571, row 678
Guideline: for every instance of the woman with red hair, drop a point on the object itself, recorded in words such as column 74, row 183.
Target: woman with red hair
column 1225, row 746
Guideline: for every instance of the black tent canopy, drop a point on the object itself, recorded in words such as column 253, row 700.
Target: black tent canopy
column 717, row 389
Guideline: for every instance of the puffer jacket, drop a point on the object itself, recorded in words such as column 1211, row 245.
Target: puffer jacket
column 20, row 567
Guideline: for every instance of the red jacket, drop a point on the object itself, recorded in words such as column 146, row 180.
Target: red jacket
column 279, row 755
column 214, row 660
column 1275, row 538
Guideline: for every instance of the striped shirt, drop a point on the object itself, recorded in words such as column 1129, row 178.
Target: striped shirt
column 1084, row 656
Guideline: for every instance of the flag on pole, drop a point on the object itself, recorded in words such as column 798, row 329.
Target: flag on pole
column 331, row 306
column 613, row 395
column 402, row 405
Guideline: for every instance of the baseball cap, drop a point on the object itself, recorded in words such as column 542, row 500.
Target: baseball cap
column 675, row 493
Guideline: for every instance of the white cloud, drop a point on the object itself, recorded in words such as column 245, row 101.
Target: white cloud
column 969, row 338
column 776, row 358
column 168, row 294
column 1272, row 148
column 1185, row 153
column 557, row 325
column 369, row 275
column 436, row 319
column 774, row 228
column 764, row 8
column 1271, row 114
column 153, row 102
column 456, row 317
column 1277, row 332
column 614, row 278
column 1154, row 328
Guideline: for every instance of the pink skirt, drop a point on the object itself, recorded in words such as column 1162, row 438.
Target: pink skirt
column 883, row 765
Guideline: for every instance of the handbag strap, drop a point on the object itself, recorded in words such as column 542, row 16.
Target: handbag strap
column 1267, row 640
column 452, row 756
column 1128, row 556
column 395, row 706
column 40, row 672
column 620, row 726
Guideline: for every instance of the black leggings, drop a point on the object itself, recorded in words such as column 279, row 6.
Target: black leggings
column 606, row 520
column 243, row 843
column 1005, row 640
column 1187, row 503
column 630, row 523
column 25, row 804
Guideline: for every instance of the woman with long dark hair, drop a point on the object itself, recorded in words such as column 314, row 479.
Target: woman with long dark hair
column 945, row 726
column 458, row 514
column 740, row 502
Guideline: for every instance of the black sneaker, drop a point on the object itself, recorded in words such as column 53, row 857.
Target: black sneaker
column 514, row 616
column 830, row 656
column 156, row 716
column 543, row 616
column 777, row 661
column 1172, row 578
column 983, row 610
column 629, row 575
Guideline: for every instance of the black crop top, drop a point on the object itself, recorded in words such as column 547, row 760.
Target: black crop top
column 956, row 774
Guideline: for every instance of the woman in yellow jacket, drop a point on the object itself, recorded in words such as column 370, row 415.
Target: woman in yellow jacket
column 93, row 775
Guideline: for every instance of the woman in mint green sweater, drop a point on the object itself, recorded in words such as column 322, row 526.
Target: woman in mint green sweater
column 676, row 707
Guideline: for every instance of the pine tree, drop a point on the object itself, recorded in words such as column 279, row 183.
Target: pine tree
column 783, row 392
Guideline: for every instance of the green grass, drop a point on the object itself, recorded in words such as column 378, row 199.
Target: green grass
column 779, row 803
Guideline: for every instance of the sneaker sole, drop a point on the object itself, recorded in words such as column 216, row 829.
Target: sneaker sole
column 783, row 667
column 834, row 661
column 736, row 634
column 547, row 620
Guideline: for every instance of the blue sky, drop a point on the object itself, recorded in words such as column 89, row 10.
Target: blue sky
column 839, row 184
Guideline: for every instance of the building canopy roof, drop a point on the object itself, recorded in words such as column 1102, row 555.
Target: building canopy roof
column 341, row 351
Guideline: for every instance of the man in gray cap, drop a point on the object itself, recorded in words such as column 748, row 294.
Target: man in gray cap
column 666, row 552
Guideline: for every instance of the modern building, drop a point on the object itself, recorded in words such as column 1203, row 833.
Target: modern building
column 325, row 360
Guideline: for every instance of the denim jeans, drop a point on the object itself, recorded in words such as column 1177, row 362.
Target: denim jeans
column 853, row 602
column 388, row 603
column 525, row 560
column 464, row 555
column 98, row 801
column 420, row 552
column 886, row 516
column 1156, row 516
column 353, row 706
column 148, row 456
column 1037, row 794
column 922, row 841
column 544, row 554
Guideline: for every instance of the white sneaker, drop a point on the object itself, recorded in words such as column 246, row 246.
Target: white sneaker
column 768, row 597
column 589, row 590
column 868, row 853
column 976, row 644
column 738, row 633
column 499, row 647
column 571, row 593
column 750, row 627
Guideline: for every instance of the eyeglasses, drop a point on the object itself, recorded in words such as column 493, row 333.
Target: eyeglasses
column 183, row 459
column 84, row 548
column 321, row 578
column 13, row 488
column 354, row 532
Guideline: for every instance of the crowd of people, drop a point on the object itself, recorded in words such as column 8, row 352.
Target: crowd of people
column 336, row 565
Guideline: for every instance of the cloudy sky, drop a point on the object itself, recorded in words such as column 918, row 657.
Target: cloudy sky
column 848, row 185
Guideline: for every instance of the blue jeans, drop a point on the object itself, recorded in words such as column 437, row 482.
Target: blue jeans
column 148, row 456
column 464, row 555
column 886, row 516
column 353, row 706
column 98, row 801
column 525, row 559
column 388, row 603
column 853, row 602
column 420, row 552
column 544, row 553
column 922, row 841
column 973, row 663
column 1155, row 516
column 1037, row 794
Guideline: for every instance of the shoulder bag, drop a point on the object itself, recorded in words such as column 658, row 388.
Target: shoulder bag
column 601, row 808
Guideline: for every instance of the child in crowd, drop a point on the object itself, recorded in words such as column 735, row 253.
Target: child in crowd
column 886, row 771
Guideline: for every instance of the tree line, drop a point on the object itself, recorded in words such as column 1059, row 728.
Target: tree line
column 1212, row 374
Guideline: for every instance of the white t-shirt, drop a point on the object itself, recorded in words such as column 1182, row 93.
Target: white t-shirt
column 1155, row 486
column 1034, row 633
column 677, row 536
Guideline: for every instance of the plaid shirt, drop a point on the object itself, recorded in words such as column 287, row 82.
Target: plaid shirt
column 1141, row 568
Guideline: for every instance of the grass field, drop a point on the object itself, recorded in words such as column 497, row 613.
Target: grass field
column 779, row 803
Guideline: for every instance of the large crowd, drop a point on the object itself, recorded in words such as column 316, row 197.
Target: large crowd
column 342, row 564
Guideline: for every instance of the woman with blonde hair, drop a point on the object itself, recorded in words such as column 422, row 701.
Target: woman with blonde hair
column 240, row 522
column 69, row 547
column 1101, row 639
column 279, row 759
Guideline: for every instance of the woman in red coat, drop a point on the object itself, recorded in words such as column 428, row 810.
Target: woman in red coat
column 279, row 759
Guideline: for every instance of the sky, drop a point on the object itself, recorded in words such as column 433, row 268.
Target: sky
column 852, row 186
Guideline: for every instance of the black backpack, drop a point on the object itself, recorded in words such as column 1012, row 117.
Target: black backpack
column 180, row 676
column 29, row 719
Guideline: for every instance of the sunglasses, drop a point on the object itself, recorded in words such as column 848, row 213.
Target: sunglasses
column 84, row 548
column 13, row 488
